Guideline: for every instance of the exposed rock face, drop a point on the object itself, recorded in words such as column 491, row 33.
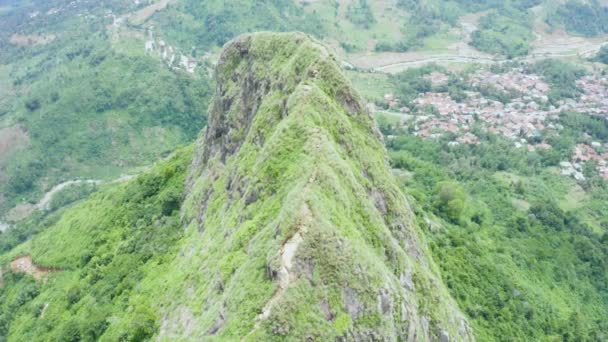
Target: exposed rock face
column 296, row 228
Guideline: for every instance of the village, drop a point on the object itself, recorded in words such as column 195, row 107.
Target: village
column 523, row 119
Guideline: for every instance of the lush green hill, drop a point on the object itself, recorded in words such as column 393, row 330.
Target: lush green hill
column 103, row 250
column 283, row 221
column 524, row 252
column 588, row 18
column 292, row 227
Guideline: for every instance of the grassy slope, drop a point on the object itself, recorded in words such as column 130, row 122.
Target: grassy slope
column 96, row 121
column 106, row 247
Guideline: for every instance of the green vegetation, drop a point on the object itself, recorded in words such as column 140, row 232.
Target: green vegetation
column 210, row 24
column 426, row 19
column 282, row 238
column 602, row 55
column 94, row 104
column 507, row 33
column 506, row 30
column 521, row 248
column 561, row 76
column 300, row 168
column 89, row 109
column 588, row 18
column 372, row 86
column 449, row 200
column 520, row 273
column 70, row 195
column 104, row 249
column 412, row 82
column 360, row 14
column 577, row 123
column 284, row 221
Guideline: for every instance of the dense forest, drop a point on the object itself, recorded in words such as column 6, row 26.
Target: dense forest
column 585, row 18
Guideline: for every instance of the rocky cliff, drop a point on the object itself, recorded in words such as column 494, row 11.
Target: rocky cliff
column 295, row 227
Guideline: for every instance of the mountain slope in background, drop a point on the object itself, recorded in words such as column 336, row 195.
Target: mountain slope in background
column 294, row 227
column 97, row 89
column 85, row 101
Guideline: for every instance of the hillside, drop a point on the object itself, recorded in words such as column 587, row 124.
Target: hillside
column 291, row 227
column 136, row 205
column 78, row 100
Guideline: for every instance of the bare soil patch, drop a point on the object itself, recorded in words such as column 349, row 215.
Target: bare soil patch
column 25, row 264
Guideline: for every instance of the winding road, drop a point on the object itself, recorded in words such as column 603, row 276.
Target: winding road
column 489, row 60
column 45, row 201
column 477, row 59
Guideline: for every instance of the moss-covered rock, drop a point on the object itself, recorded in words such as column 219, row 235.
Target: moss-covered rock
column 296, row 229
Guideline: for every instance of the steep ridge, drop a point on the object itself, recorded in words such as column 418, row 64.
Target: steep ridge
column 295, row 227
column 282, row 223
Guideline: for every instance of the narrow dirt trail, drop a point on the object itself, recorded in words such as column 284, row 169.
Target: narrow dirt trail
column 43, row 204
column 26, row 265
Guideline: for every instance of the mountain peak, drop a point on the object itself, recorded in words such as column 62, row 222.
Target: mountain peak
column 296, row 226
column 255, row 65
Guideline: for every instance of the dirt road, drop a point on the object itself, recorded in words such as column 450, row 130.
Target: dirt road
column 408, row 61
column 22, row 211
column 396, row 67
column 44, row 203
column 548, row 44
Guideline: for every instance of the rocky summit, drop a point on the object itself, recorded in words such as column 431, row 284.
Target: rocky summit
column 296, row 227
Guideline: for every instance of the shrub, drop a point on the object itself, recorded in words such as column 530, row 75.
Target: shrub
column 449, row 200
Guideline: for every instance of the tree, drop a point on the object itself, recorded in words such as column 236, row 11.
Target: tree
column 32, row 105
column 449, row 200
column 360, row 14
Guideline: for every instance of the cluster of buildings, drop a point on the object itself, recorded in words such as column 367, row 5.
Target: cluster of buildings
column 515, row 80
column 521, row 119
column 584, row 153
column 168, row 55
column 594, row 100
